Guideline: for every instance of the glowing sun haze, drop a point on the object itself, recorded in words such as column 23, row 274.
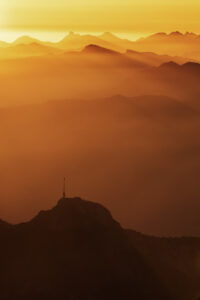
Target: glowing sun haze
column 127, row 16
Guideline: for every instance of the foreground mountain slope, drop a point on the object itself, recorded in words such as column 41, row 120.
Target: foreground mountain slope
column 74, row 251
column 175, row 260
column 78, row 251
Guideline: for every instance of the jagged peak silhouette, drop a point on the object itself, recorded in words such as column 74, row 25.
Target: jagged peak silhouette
column 92, row 48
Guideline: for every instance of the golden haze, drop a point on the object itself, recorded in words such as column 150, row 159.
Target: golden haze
column 137, row 152
column 126, row 16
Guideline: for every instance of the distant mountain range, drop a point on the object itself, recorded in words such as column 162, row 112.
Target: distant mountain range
column 175, row 46
column 131, row 73
column 28, row 50
column 185, row 45
column 78, row 251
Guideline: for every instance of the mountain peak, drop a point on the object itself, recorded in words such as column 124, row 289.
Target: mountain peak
column 158, row 34
column 74, row 213
column 164, row 34
column 107, row 34
column 190, row 33
column 170, row 64
column 25, row 39
column 94, row 49
column 76, row 250
column 176, row 33
column 71, row 34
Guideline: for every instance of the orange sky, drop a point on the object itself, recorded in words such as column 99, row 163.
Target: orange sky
column 119, row 16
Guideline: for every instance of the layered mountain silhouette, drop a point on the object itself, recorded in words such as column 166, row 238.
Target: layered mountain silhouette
column 134, row 57
column 175, row 47
column 26, row 40
column 185, row 45
column 94, row 49
column 28, row 50
column 74, row 251
column 74, row 41
column 108, row 72
column 153, row 59
column 93, row 55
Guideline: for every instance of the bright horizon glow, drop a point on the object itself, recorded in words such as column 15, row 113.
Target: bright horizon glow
column 10, row 36
column 133, row 18
column 54, row 36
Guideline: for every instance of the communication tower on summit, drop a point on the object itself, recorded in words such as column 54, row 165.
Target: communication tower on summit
column 64, row 188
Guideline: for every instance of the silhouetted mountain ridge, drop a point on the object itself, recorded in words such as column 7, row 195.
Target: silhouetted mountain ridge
column 187, row 68
column 74, row 251
column 175, row 260
column 74, row 213
column 92, row 48
column 4, row 225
